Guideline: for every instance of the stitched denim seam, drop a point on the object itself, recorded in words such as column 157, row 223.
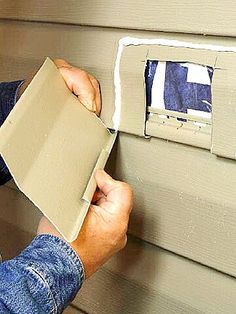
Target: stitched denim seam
column 69, row 250
column 17, row 91
column 37, row 272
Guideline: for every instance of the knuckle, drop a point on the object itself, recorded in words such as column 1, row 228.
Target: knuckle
column 82, row 73
column 124, row 225
column 120, row 242
column 125, row 186
column 123, row 242
column 122, row 185
column 118, row 235
column 123, row 229
column 130, row 190
column 114, row 242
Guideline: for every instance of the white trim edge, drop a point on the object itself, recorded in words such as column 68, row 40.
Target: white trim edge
column 128, row 41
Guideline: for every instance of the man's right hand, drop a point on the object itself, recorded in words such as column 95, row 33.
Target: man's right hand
column 104, row 230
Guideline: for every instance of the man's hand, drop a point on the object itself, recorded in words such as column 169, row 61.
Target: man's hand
column 81, row 83
column 104, row 230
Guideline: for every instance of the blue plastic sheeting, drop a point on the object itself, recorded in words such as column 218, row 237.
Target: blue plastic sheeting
column 184, row 86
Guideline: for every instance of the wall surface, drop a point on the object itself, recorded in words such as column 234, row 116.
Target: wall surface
column 185, row 204
column 212, row 18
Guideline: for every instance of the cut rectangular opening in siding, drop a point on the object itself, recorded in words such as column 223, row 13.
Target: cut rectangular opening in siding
column 178, row 95
column 180, row 87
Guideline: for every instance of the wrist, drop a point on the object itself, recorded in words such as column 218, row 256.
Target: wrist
column 89, row 262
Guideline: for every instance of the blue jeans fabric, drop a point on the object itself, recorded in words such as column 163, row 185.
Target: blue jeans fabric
column 8, row 97
column 46, row 276
column 179, row 94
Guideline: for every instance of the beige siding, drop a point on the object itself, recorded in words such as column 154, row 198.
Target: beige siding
column 184, row 196
column 184, row 199
column 91, row 48
column 18, row 221
column 213, row 17
column 72, row 310
column 140, row 279
column 144, row 279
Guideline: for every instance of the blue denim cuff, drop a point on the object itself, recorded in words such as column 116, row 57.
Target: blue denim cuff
column 8, row 97
column 55, row 270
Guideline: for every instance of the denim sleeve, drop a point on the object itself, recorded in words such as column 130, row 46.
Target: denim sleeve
column 8, row 98
column 44, row 278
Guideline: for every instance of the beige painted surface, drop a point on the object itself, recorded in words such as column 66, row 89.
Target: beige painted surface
column 72, row 310
column 140, row 279
column 12, row 239
column 18, row 221
column 213, row 17
column 221, row 137
column 91, row 48
column 65, row 145
column 17, row 209
column 182, row 208
column 133, row 121
column 224, row 107
column 145, row 279
column 185, row 196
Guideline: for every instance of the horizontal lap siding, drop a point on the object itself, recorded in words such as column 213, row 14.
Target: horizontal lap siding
column 18, row 224
column 213, row 17
column 184, row 196
column 184, row 199
column 179, row 204
column 12, row 238
column 145, row 279
column 140, row 279
column 18, row 221
column 24, row 46
column 72, row 310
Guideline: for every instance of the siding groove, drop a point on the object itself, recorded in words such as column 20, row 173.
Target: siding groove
column 214, row 17
column 193, row 215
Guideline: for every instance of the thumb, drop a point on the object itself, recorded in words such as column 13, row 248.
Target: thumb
column 116, row 192
column 62, row 63
column 105, row 182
